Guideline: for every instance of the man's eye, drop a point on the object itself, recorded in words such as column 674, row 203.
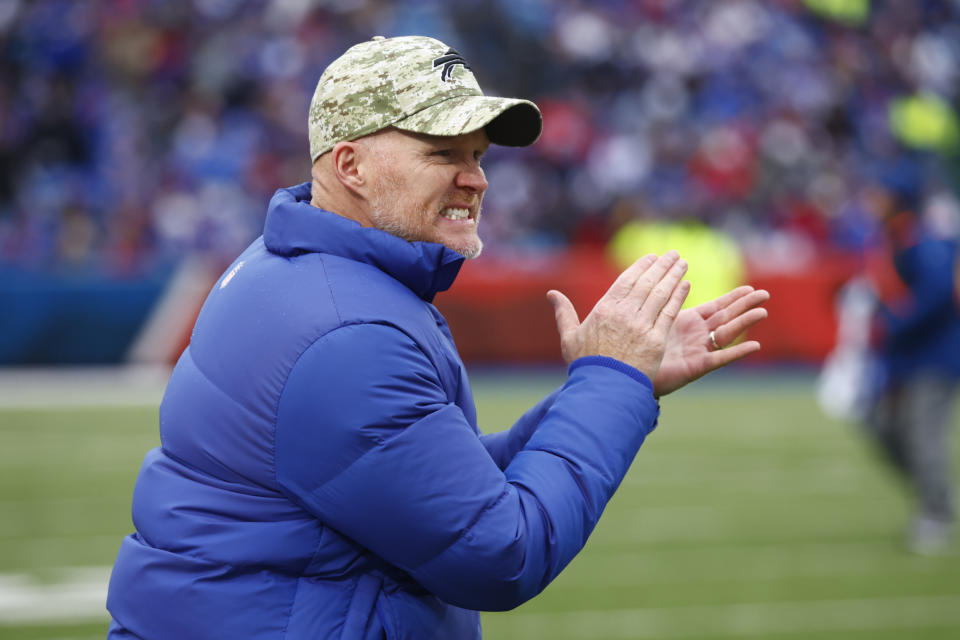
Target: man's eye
column 442, row 152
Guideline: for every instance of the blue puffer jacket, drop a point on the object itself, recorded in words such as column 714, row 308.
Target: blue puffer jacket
column 321, row 473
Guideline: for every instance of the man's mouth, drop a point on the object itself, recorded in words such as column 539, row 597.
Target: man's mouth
column 455, row 213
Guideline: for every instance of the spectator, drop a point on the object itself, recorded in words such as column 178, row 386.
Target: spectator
column 726, row 110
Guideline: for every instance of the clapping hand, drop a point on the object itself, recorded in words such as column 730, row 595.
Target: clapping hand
column 633, row 319
column 699, row 339
column 639, row 321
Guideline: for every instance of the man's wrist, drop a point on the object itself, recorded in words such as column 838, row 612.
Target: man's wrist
column 612, row 363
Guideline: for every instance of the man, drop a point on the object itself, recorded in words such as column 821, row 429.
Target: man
column 917, row 330
column 321, row 473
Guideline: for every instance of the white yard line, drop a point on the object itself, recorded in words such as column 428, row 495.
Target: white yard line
column 74, row 595
column 32, row 388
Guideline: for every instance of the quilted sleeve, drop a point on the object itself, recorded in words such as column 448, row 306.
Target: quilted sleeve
column 367, row 441
column 504, row 445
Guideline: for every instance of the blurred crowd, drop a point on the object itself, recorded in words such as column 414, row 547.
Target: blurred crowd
column 137, row 132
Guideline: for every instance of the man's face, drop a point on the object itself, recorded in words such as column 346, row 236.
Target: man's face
column 428, row 188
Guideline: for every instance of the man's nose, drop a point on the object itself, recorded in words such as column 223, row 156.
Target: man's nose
column 472, row 178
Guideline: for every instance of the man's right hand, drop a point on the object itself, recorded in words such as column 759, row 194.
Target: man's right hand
column 632, row 320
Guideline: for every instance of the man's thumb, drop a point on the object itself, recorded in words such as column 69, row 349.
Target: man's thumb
column 565, row 313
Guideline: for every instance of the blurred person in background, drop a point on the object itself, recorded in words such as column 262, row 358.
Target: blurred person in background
column 917, row 336
column 321, row 472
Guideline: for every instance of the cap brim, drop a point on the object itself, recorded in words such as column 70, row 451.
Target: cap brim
column 510, row 122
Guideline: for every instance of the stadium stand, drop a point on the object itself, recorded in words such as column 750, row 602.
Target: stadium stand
column 137, row 135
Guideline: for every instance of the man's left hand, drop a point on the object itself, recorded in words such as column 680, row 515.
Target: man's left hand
column 690, row 352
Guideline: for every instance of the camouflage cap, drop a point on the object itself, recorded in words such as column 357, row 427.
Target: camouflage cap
column 413, row 83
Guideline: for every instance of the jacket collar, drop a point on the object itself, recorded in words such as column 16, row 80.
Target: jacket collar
column 294, row 226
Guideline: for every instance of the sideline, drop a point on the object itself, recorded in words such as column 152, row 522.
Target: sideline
column 56, row 387
column 143, row 385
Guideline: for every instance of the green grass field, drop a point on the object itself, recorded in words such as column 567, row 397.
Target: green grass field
column 747, row 514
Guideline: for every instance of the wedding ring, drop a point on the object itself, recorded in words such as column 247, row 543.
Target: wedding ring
column 713, row 340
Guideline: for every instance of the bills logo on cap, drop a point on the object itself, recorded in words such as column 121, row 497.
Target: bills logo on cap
column 449, row 60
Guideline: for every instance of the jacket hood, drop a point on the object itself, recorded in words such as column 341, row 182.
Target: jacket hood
column 294, row 226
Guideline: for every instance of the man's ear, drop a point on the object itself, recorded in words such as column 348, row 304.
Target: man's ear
column 345, row 157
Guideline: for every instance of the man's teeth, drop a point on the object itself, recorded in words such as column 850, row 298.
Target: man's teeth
column 456, row 214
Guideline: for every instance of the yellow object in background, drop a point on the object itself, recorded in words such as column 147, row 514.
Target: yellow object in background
column 716, row 264
column 851, row 12
column 925, row 121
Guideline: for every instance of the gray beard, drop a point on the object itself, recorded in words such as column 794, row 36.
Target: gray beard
column 388, row 219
